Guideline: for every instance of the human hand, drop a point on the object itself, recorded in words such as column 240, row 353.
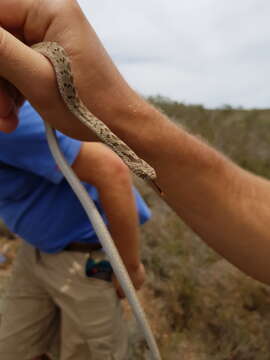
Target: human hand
column 137, row 277
column 25, row 22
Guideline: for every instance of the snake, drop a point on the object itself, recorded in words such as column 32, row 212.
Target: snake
column 62, row 67
column 58, row 57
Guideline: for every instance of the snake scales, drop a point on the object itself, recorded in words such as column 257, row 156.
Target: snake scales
column 61, row 64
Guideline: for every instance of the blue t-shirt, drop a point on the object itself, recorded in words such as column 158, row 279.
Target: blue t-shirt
column 36, row 202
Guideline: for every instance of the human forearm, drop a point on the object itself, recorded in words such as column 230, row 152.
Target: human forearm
column 99, row 166
column 119, row 205
column 212, row 195
column 232, row 215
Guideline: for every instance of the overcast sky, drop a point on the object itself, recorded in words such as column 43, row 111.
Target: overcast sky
column 194, row 51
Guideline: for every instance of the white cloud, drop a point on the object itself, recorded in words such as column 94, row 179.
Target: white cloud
column 197, row 51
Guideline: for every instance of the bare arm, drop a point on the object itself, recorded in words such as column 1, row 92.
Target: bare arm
column 99, row 166
column 228, row 207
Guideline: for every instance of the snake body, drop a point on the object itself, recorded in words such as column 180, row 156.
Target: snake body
column 62, row 67
column 60, row 62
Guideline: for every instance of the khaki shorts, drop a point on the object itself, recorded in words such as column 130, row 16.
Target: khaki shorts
column 52, row 304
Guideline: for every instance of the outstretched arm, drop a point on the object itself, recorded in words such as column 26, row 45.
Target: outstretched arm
column 227, row 206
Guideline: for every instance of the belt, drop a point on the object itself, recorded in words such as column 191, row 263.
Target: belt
column 83, row 247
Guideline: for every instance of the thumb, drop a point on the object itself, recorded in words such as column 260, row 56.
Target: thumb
column 33, row 75
column 23, row 67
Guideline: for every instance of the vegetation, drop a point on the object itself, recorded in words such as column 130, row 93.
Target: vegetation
column 200, row 306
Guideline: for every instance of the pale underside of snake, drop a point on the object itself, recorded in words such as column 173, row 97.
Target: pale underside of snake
column 62, row 67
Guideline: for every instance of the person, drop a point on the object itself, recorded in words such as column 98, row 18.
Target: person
column 228, row 207
column 58, row 288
